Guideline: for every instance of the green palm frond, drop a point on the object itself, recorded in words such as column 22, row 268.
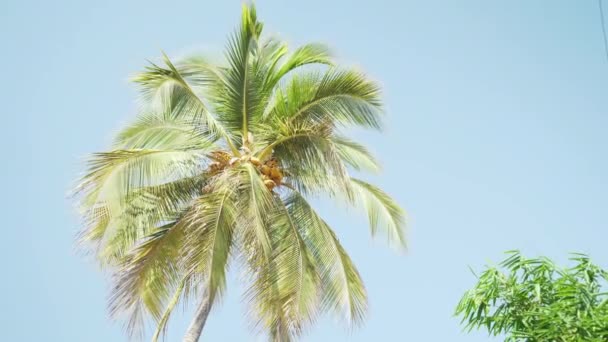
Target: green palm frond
column 141, row 212
column 343, row 289
column 211, row 223
column 339, row 96
column 255, row 205
column 355, row 155
column 313, row 160
column 147, row 276
column 382, row 211
column 308, row 54
column 237, row 97
column 151, row 131
column 178, row 92
column 114, row 175
column 285, row 290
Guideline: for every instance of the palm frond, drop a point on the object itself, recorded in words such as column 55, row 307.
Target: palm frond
column 178, row 92
column 146, row 277
column 285, row 290
column 382, row 210
column 210, row 224
column 151, row 131
column 139, row 215
column 314, row 53
column 236, row 98
column 355, row 155
column 341, row 97
column 118, row 200
column 343, row 289
column 255, row 205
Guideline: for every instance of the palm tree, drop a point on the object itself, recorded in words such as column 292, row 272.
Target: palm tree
column 216, row 171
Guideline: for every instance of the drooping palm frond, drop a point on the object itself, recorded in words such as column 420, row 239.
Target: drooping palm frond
column 126, row 192
column 255, row 205
column 142, row 211
column 148, row 274
column 162, row 155
column 285, row 289
column 313, row 164
column 382, row 211
column 343, row 289
column 113, row 175
column 355, row 155
column 211, row 222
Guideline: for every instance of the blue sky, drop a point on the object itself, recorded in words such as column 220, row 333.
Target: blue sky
column 496, row 140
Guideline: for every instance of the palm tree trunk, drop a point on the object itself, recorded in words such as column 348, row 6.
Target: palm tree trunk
column 198, row 322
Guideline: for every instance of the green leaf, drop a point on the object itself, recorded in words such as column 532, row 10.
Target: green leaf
column 382, row 211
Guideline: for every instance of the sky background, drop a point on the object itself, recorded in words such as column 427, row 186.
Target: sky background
column 496, row 140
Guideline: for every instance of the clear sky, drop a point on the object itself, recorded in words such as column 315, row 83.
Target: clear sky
column 496, row 140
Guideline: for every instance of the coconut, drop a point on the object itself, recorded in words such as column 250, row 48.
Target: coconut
column 255, row 161
column 270, row 184
column 275, row 173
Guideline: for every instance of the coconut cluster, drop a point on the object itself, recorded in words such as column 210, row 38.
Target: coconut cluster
column 269, row 169
column 271, row 172
column 221, row 161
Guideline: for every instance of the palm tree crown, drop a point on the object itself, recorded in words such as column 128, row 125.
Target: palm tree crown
column 216, row 169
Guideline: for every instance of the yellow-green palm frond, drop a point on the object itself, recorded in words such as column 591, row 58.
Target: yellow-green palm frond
column 283, row 64
column 342, row 286
column 210, row 225
column 383, row 212
column 180, row 92
column 342, row 97
column 355, row 155
column 285, row 289
column 155, row 131
column 141, row 213
column 255, row 204
column 146, row 277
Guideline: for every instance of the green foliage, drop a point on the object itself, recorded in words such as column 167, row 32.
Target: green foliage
column 535, row 300
column 215, row 171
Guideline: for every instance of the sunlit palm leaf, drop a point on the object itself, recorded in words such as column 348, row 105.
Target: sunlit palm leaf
column 342, row 97
column 285, row 290
column 210, row 223
column 382, row 211
column 313, row 161
column 355, row 155
column 145, row 280
column 179, row 93
column 152, row 131
column 237, row 98
column 141, row 212
column 255, row 204
column 343, row 288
